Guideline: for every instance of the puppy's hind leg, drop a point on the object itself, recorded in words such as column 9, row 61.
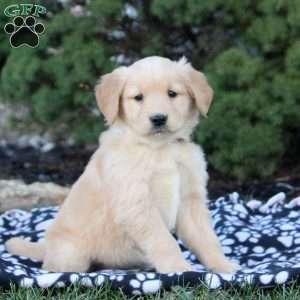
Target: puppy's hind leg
column 19, row 246
column 66, row 256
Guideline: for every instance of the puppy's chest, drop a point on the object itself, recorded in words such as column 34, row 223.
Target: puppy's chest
column 166, row 189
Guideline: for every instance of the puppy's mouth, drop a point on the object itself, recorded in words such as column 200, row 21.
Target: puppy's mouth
column 159, row 131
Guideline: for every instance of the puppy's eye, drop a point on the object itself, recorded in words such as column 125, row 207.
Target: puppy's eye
column 172, row 94
column 139, row 97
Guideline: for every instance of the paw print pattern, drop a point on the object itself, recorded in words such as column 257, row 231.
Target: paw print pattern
column 24, row 31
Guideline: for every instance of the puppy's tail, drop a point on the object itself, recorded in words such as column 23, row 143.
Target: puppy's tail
column 19, row 246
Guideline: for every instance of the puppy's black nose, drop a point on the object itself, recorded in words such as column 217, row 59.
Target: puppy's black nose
column 159, row 120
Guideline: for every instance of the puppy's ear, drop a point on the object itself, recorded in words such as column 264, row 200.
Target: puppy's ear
column 108, row 93
column 198, row 88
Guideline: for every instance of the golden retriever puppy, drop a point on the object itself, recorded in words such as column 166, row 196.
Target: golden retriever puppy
column 146, row 180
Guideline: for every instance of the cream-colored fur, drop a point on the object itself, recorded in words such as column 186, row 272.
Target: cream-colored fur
column 140, row 184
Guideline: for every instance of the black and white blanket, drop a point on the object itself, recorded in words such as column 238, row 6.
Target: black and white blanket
column 263, row 237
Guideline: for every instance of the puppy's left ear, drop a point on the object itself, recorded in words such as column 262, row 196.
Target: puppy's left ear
column 108, row 93
column 199, row 89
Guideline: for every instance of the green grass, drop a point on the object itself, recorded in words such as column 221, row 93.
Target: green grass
column 78, row 293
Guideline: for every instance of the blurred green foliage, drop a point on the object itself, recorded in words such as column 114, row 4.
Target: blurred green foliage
column 250, row 51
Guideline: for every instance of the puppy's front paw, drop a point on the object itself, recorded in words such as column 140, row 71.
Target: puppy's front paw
column 224, row 266
column 174, row 267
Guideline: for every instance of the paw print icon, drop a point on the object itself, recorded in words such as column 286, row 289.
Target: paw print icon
column 24, row 31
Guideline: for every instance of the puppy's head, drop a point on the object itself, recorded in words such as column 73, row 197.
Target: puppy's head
column 155, row 96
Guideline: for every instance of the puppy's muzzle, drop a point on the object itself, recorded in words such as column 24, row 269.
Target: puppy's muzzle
column 158, row 120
